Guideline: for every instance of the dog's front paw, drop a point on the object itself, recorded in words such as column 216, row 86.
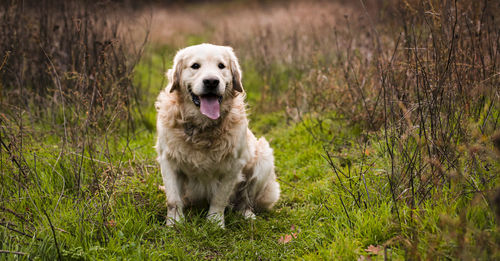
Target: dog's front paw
column 170, row 221
column 217, row 218
column 174, row 215
column 248, row 214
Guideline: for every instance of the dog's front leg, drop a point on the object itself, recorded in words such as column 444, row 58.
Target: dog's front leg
column 220, row 199
column 173, row 191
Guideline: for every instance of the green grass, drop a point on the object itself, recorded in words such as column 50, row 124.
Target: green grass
column 119, row 212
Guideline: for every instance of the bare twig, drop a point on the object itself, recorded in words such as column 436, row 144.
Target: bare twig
column 17, row 231
column 12, row 252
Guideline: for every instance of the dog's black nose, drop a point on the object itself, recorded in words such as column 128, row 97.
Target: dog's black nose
column 211, row 83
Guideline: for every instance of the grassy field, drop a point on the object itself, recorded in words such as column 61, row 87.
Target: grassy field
column 383, row 123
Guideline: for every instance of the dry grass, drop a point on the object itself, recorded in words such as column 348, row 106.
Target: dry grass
column 235, row 23
column 66, row 83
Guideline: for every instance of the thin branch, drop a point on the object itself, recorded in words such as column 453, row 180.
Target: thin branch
column 17, row 231
column 13, row 252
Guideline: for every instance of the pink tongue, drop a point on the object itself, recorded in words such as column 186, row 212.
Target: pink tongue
column 210, row 106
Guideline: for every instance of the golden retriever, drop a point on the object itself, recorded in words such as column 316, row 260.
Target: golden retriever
column 206, row 152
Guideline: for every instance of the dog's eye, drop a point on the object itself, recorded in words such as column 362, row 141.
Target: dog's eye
column 221, row 66
column 195, row 66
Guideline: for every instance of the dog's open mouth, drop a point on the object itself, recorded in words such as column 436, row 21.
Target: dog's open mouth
column 209, row 104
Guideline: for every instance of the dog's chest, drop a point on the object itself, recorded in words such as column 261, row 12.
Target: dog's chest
column 207, row 155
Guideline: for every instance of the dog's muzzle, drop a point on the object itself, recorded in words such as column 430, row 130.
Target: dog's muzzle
column 209, row 103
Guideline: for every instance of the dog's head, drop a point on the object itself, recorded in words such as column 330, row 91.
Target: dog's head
column 206, row 75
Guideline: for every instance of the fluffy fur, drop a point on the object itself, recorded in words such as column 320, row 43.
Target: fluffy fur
column 204, row 160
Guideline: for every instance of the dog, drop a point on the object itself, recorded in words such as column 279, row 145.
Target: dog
column 206, row 152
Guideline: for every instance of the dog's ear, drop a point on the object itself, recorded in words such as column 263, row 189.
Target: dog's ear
column 235, row 70
column 174, row 74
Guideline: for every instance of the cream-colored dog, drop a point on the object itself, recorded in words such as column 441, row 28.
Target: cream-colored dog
column 205, row 149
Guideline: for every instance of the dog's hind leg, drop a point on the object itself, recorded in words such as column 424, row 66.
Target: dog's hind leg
column 268, row 196
column 262, row 189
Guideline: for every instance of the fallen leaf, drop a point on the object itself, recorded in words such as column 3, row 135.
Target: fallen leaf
column 111, row 223
column 286, row 239
column 376, row 250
